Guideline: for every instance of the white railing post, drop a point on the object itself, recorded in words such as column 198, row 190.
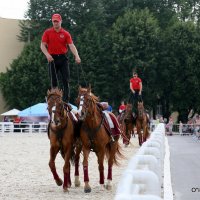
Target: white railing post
column 143, row 177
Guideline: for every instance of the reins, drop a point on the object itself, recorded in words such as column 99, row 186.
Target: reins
column 55, row 100
column 83, row 73
column 52, row 64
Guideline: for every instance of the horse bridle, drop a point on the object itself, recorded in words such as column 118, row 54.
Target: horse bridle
column 85, row 104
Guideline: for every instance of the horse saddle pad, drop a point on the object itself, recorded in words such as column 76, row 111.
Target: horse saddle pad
column 111, row 123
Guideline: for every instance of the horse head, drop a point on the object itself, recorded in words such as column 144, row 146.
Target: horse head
column 86, row 102
column 129, row 108
column 128, row 111
column 56, row 108
column 140, row 110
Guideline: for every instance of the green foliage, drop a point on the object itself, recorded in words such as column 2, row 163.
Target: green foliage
column 182, row 44
column 158, row 38
column 135, row 37
column 25, row 82
column 94, row 44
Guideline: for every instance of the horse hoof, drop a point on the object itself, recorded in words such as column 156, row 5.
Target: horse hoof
column 65, row 189
column 59, row 182
column 87, row 190
column 77, row 184
column 108, row 187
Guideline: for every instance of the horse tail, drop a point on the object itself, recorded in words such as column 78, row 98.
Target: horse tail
column 76, row 150
column 118, row 155
column 115, row 150
column 77, row 127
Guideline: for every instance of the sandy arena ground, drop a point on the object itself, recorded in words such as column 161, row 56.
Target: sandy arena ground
column 25, row 174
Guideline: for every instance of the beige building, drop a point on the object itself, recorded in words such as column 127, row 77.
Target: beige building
column 10, row 48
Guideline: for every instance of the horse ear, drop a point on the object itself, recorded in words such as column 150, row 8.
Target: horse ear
column 61, row 93
column 79, row 88
column 89, row 88
column 48, row 92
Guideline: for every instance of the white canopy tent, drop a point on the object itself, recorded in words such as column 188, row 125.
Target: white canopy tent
column 13, row 112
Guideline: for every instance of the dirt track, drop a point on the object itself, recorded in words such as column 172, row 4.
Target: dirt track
column 24, row 171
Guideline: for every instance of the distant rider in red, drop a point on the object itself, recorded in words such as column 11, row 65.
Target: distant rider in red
column 136, row 90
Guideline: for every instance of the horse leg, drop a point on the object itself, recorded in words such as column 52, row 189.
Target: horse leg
column 66, row 170
column 53, row 152
column 87, row 187
column 100, row 156
column 139, row 134
column 127, row 135
column 126, row 139
column 113, row 150
column 133, row 131
column 146, row 133
column 124, row 133
column 77, row 157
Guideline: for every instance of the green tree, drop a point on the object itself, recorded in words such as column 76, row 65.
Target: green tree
column 26, row 82
column 95, row 67
column 179, row 69
column 113, row 37
column 76, row 15
column 135, row 37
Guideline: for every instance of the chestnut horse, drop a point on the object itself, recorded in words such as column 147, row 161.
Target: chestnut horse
column 142, row 124
column 61, row 132
column 95, row 137
column 127, row 125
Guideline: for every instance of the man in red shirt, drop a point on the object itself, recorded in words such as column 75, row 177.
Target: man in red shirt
column 54, row 45
column 136, row 89
column 122, row 107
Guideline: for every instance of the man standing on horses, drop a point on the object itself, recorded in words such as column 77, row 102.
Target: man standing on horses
column 54, row 45
column 136, row 90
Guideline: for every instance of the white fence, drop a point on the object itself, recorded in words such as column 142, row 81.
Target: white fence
column 186, row 128
column 143, row 178
column 10, row 127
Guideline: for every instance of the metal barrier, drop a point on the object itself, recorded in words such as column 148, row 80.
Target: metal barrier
column 143, row 177
column 186, row 129
column 10, row 127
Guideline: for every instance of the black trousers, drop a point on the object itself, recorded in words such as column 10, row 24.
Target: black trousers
column 134, row 99
column 60, row 65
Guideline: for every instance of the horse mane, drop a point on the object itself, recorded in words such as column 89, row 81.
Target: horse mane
column 86, row 90
column 94, row 98
column 55, row 91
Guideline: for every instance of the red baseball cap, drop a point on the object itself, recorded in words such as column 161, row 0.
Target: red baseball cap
column 56, row 17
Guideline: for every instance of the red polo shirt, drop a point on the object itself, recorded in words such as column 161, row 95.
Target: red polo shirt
column 57, row 41
column 122, row 107
column 135, row 83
